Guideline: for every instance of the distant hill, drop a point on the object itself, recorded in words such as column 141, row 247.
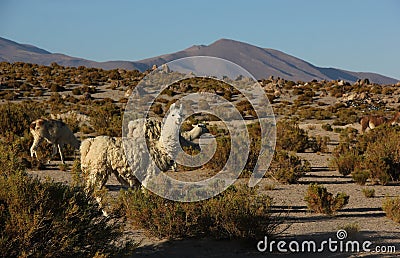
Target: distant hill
column 261, row 62
column 11, row 51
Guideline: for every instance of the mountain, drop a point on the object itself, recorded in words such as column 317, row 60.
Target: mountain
column 261, row 62
column 11, row 51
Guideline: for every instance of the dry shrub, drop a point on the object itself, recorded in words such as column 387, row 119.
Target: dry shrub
column 391, row 206
column 237, row 213
column 106, row 119
column 352, row 229
column 254, row 131
column 360, row 176
column 375, row 154
column 287, row 168
column 290, row 137
column 382, row 158
column 47, row 219
column 16, row 117
column 327, row 127
column 319, row 200
column 157, row 109
column 368, row 192
column 221, row 154
column 346, row 162
column 319, row 143
column 346, row 116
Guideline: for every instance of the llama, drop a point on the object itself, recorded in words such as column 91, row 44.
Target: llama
column 196, row 132
column 54, row 132
column 372, row 121
column 127, row 158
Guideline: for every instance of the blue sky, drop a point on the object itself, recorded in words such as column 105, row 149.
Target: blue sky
column 357, row 35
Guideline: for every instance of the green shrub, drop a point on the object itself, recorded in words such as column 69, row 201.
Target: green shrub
column 391, row 206
column 327, row 127
column 345, row 163
column 382, row 158
column 360, row 176
column 169, row 92
column 368, row 192
column 337, row 130
column 221, row 154
column 287, row 168
column 319, row 143
column 56, row 88
column 352, row 229
column 254, row 131
column 290, row 137
column 10, row 159
column 346, row 116
column 269, row 187
column 77, row 91
column 237, row 213
column 106, row 119
column 157, row 109
column 51, row 219
column 47, row 219
column 16, row 117
column 319, row 200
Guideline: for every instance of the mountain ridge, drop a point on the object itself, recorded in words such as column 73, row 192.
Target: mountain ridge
column 261, row 62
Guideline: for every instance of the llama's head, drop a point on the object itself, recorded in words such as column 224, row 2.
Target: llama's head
column 204, row 128
column 396, row 119
column 175, row 115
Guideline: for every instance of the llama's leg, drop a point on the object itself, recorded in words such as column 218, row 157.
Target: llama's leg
column 54, row 152
column 174, row 167
column 61, row 155
column 95, row 181
column 35, row 145
column 127, row 179
column 371, row 125
column 98, row 178
column 120, row 178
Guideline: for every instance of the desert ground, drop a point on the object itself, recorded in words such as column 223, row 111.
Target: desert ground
column 299, row 222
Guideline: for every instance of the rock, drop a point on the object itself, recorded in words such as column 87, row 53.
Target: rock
column 165, row 68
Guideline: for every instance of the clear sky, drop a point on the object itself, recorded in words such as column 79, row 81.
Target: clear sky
column 357, row 35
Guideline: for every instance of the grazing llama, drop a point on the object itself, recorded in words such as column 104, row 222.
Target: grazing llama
column 372, row 121
column 102, row 156
column 54, row 132
column 197, row 131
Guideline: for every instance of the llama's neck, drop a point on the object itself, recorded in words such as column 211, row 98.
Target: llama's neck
column 395, row 119
column 169, row 139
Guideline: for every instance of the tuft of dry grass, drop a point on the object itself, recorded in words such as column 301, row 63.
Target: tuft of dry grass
column 368, row 192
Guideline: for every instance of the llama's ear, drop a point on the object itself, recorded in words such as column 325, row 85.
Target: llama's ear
column 172, row 106
column 180, row 107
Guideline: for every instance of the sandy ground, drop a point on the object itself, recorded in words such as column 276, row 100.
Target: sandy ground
column 289, row 203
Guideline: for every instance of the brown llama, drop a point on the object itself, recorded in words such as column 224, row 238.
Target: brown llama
column 372, row 121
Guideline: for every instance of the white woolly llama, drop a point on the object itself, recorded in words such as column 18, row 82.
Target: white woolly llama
column 103, row 155
column 197, row 131
column 53, row 131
